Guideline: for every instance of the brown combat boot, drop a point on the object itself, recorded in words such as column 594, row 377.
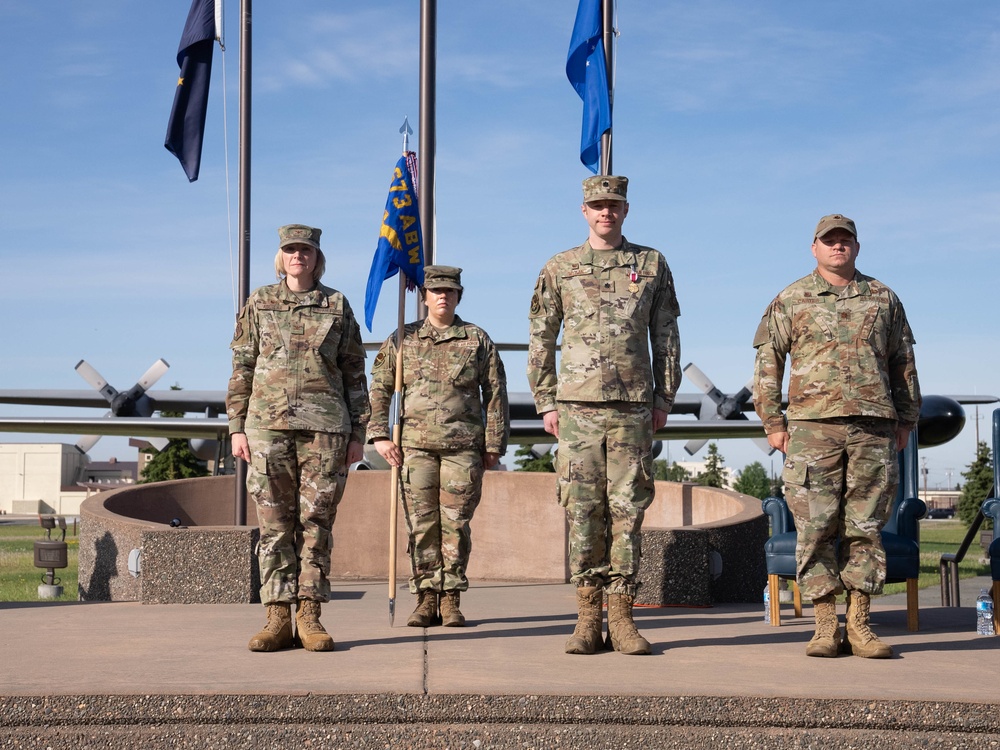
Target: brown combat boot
column 277, row 633
column 451, row 615
column 826, row 641
column 621, row 628
column 426, row 613
column 859, row 639
column 312, row 635
column 586, row 638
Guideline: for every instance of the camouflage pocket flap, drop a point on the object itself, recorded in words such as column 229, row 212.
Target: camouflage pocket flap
column 796, row 473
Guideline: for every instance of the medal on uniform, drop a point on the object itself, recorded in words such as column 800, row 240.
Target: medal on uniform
column 633, row 277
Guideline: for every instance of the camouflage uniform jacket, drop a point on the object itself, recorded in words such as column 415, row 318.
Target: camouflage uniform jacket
column 851, row 354
column 298, row 364
column 444, row 373
column 614, row 306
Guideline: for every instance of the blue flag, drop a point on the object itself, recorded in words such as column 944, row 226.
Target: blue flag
column 400, row 242
column 186, row 128
column 587, row 72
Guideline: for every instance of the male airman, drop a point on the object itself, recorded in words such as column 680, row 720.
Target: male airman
column 615, row 303
column 853, row 399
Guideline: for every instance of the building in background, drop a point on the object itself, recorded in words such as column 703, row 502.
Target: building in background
column 55, row 478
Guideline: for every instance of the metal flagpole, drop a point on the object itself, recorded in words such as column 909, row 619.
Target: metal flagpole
column 608, row 27
column 428, row 130
column 246, row 14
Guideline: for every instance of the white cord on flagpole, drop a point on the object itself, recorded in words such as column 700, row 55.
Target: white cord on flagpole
column 220, row 30
column 614, row 49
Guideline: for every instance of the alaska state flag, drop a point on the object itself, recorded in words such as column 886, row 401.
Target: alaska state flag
column 400, row 242
column 586, row 71
column 186, row 128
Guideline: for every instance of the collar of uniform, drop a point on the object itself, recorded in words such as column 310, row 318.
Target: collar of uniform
column 857, row 288
column 624, row 256
column 455, row 331
column 315, row 296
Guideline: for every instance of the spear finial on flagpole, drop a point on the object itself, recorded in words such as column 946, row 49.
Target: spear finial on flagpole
column 407, row 132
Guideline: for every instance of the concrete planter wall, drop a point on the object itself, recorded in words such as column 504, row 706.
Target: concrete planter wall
column 699, row 544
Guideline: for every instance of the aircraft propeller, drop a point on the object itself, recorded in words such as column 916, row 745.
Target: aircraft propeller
column 716, row 405
column 130, row 403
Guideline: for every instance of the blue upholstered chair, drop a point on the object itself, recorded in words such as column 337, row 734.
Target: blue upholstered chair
column 991, row 509
column 900, row 537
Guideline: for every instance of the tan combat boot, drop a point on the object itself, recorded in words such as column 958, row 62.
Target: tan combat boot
column 826, row 641
column 859, row 639
column 426, row 613
column 621, row 628
column 586, row 638
column 451, row 615
column 312, row 635
column 277, row 633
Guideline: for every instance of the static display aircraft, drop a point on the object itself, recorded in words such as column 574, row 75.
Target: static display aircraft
column 718, row 415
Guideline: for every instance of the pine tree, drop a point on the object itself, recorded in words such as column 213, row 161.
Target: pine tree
column 715, row 465
column 528, row 460
column 753, row 481
column 176, row 461
column 978, row 483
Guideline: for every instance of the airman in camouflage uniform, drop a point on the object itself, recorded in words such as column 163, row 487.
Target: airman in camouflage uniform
column 452, row 376
column 615, row 302
column 853, row 398
column 297, row 406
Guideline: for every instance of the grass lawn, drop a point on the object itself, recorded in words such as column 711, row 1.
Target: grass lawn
column 936, row 538
column 19, row 578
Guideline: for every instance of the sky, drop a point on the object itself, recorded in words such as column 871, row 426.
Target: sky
column 739, row 125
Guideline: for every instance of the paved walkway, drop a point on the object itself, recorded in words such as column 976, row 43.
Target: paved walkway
column 513, row 646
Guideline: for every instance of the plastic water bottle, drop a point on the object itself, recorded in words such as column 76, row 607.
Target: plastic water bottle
column 767, row 604
column 984, row 613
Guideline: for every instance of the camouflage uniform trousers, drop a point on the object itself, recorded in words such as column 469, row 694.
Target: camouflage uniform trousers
column 441, row 490
column 296, row 478
column 605, row 482
column 840, row 477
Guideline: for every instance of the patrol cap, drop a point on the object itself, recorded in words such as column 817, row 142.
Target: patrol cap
column 835, row 221
column 442, row 277
column 604, row 187
column 295, row 234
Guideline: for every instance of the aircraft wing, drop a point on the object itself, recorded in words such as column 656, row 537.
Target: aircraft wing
column 187, row 401
column 984, row 399
column 522, row 430
column 530, row 431
column 61, row 397
column 122, row 426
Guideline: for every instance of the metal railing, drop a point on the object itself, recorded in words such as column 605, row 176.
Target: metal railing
column 948, row 566
column 949, row 561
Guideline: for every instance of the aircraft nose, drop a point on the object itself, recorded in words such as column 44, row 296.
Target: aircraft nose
column 941, row 419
